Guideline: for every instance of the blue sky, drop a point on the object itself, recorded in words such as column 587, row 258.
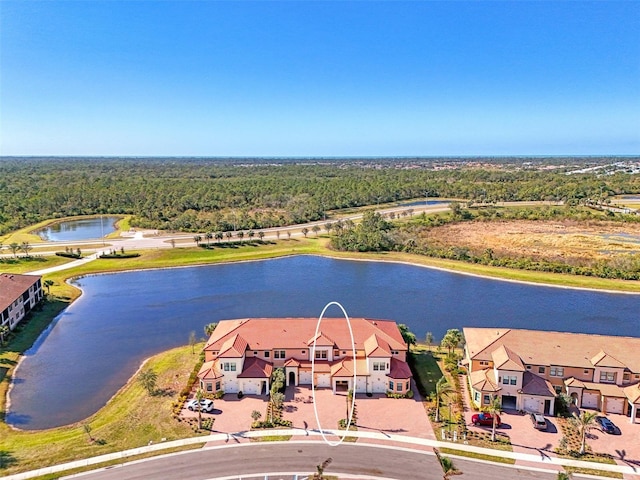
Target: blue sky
column 336, row 78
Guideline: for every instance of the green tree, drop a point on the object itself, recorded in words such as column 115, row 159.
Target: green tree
column 208, row 236
column 448, row 468
column 87, row 429
column 219, row 236
column 429, row 340
column 4, row 333
column 407, row 335
column 251, row 234
column 199, row 397
column 452, row 339
column 48, row 284
column 256, row 415
column 494, row 408
column 260, row 235
column 14, row 247
column 584, row 422
column 315, row 229
column 277, row 399
column 209, row 328
column 148, row 379
column 442, row 387
column 192, row 341
column 26, row 248
column 305, row 231
column 240, row 235
column 197, row 239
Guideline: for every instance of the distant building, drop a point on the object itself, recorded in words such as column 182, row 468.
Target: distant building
column 527, row 369
column 241, row 355
column 18, row 295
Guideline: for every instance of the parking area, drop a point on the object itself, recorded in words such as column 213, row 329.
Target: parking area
column 625, row 446
column 376, row 413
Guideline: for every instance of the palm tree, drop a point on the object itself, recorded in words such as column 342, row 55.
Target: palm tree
column 240, row 235
column 442, row 387
column 261, row 235
column 197, row 239
column 47, row 284
column 148, row 379
column 429, row 339
column 209, row 328
column 584, row 422
column 4, row 333
column 448, row 468
column 199, row 397
column 328, row 226
column 208, row 236
column 305, row 231
column 494, row 409
column 251, row 234
column 218, row 236
column 407, row 335
column 315, row 229
column 14, row 247
column 228, row 235
column 25, row 247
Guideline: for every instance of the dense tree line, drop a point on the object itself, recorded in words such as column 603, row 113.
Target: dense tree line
column 200, row 195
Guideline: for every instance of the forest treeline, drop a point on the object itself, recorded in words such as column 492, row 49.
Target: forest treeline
column 200, row 195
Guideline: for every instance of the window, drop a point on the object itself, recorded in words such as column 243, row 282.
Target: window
column 321, row 354
column 379, row 366
column 217, row 386
column 399, row 386
column 390, row 385
column 486, row 399
column 509, row 380
column 255, row 353
column 394, row 352
column 279, row 354
column 476, row 396
column 209, row 387
column 229, row 367
column 556, row 371
column 540, row 369
column 609, row 377
column 407, row 386
column 336, row 353
column 585, row 371
column 484, row 363
column 266, row 354
column 528, row 367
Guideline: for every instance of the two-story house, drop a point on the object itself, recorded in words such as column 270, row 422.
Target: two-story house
column 526, row 369
column 18, row 295
column 241, row 354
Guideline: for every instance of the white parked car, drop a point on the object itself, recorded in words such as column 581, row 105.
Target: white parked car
column 206, row 405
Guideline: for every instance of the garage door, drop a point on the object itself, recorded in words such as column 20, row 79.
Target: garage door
column 323, row 380
column 361, row 384
column 305, row 378
column 379, row 384
column 251, row 387
column 590, row 400
column 532, row 405
column 615, row 405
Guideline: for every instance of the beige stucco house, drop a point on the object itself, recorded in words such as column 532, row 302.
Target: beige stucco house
column 18, row 295
column 241, row 354
column 528, row 368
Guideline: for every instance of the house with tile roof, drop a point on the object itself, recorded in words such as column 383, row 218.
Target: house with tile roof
column 18, row 295
column 527, row 369
column 241, row 354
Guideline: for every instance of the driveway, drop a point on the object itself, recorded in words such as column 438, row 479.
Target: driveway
column 376, row 413
column 625, row 446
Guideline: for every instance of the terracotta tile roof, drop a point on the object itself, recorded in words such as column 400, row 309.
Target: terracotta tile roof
column 321, row 340
column 294, row 333
column 322, row 366
column 574, row 382
column 399, row 369
column 505, row 359
column 533, row 384
column 537, row 347
column 606, row 389
column 208, row 371
column 484, row 380
column 374, row 346
column 344, row 368
column 633, row 393
column 233, row 347
column 603, row 359
column 255, row 367
column 13, row 285
column 292, row 362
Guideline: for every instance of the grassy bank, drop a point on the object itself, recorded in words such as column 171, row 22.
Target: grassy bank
column 130, row 419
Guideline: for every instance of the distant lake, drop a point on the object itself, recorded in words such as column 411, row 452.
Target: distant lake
column 419, row 203
column 100, row 340
column 81, row 229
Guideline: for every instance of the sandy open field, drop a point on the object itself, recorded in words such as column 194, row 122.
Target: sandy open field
column 566, row 240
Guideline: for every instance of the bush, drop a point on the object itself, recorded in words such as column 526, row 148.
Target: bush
column 69, row 255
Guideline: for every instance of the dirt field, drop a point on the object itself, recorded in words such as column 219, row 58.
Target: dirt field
column 566, row 240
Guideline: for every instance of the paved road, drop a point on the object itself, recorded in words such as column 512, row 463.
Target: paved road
column 258, row 459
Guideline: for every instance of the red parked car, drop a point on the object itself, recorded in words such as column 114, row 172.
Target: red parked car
column 485, row 419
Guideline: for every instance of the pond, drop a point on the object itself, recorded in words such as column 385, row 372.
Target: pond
column 81, row 229
column 96, row 344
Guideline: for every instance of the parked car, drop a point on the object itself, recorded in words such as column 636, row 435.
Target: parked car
column 485, row 419
column 607, row 425
column 538, row 421
column 206, row 405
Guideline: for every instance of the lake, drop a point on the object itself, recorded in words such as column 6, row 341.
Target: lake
column 82, row 229
column 96, row 344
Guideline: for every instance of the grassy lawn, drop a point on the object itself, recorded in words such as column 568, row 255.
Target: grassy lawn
column 488, row 458
column 130, row 419
column 426, row 369
column 30, row 264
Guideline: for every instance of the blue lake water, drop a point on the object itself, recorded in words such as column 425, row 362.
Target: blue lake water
column 82, row 229
column 98, row 342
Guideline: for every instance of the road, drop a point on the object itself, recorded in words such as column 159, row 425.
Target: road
column 260, row 459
